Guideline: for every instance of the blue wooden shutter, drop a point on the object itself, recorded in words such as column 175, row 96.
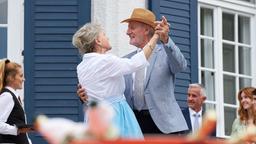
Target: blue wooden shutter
column 50, row 59
column 182, row 15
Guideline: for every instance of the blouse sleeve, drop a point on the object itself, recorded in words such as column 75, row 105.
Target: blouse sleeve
column 234, row 130
column 6, row 106
column 120, row 66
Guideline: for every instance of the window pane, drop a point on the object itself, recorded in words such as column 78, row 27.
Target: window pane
column 229, row 115
column 209, row 106
column 3, row 11
column 244, row 30
column 207, row 53
column 244, row 82
column 244, row 60
column 228, row 58
column 207, row 79
column 229, row 89
column 206, row 22
column 228, row 26
column 3, row 42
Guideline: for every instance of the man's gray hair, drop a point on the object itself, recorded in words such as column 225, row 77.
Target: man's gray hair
column 197, row 85
column 151, row 30
column 84, row 38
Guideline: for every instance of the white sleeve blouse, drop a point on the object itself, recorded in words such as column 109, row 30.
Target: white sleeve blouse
column 6, row 106
column 102, row 74
column 116, row 66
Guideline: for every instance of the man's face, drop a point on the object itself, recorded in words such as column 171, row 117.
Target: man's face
column 194, row 99
column 137, row 33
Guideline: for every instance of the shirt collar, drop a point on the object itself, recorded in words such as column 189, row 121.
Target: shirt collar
column 139, row 50
column 192, row 112
column 12, row 90
column 88, row 55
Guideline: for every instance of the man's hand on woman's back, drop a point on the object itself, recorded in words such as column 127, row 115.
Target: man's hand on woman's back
column 81, row 92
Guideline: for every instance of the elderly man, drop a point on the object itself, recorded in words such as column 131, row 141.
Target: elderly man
column 193, row 114
column 195, row 99
column 150, row 92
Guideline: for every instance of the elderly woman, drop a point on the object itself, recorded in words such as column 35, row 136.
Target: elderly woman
column 245, row 112
column 102, row 74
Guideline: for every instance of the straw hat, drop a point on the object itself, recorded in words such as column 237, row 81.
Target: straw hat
column 142, row 15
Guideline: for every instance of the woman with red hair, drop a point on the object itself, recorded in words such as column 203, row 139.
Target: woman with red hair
column 246, row 115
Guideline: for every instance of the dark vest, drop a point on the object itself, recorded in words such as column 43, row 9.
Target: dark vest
column 16, row 117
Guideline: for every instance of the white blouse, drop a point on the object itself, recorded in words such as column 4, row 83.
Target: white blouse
column 6, row 106
column 102, row 74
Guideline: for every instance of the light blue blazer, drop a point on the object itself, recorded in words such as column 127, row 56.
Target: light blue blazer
column 165, row 61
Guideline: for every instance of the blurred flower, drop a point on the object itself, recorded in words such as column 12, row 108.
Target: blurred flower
column 99, row 126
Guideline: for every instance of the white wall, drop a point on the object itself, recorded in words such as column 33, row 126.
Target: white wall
column 110, row 13
column 15, row 36
column 15, row 44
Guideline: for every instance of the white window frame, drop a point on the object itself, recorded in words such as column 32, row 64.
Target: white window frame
column 218, row 7
column 4, row 25
column 240, row 3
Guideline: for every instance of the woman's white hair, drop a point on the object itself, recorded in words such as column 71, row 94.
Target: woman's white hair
column 84, row 38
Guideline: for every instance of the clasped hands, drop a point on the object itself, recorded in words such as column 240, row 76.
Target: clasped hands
column 162, row 29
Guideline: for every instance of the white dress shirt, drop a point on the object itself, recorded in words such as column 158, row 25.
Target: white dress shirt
column 102, row 74
column 192, row 118
column 140, row 101
column 6, row 106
